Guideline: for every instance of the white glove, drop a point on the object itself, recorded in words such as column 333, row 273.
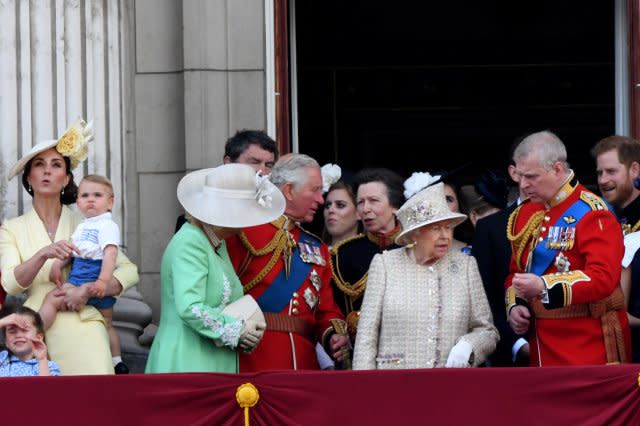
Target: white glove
column 251, row 335
column 460, row 355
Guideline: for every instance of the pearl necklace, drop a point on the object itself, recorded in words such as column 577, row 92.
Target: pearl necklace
column 213, row 238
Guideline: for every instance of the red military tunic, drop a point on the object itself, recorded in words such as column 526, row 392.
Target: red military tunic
column 583, row 272
column 311, row 301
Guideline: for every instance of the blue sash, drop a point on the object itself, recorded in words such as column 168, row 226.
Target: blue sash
column 543, row 256
column 277, row 295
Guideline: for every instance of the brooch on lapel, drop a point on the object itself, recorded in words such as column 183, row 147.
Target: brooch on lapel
column 315, row 280
column 562, row 263
column 310, row 298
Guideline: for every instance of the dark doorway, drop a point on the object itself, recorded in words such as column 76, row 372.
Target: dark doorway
column 427, row 86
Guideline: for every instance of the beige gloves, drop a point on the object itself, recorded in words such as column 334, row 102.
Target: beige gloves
column 253, row 325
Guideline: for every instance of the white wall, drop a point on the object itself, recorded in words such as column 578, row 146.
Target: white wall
column 50, row 74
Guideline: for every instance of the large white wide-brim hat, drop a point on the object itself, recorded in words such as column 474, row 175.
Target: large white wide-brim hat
column 231, row 196
column 424, row 208
column 37, row 149
column 73, row 144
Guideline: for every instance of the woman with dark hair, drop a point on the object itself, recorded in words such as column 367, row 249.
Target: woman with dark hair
column 378, row 197
column 341, row 218
column 77, row 340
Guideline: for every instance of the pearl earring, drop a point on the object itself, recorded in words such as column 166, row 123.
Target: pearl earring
column 29, row 189
column 62, row 193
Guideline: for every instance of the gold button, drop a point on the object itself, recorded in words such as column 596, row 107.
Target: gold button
column 296, row 303
column 294, row 311
column 541, row 239
column 543, row 229
column 547, row 218
column 295, row 295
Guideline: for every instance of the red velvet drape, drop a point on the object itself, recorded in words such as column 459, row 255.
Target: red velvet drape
column 492, row 396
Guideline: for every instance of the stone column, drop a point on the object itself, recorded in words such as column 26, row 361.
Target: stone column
column 200, row 77
column 59, row 60
column 62, row 59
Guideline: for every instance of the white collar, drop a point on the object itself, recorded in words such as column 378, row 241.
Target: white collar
column 102, row 216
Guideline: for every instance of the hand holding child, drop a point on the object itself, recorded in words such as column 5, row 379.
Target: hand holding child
column 55, row 276
column 62, row 250
column 98, row 288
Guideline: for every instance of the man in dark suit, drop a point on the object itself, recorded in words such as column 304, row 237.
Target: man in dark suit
column 492, row 251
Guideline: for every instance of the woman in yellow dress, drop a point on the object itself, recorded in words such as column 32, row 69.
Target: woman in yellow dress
column 29, row 244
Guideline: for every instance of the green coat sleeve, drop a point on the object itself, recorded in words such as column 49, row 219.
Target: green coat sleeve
column 202, row 289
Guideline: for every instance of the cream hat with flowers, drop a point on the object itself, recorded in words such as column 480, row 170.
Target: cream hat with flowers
column 424, row 208
column 232, row 195
column 74, row 144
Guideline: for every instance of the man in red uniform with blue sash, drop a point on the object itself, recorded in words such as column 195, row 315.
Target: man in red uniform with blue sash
column 565, row 271
column 286, row 269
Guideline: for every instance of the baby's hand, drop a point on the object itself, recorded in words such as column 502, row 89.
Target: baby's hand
column 98, row 288
column 39, row 349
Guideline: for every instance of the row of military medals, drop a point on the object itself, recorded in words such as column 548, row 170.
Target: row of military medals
column 560, row 238
column 310, row 253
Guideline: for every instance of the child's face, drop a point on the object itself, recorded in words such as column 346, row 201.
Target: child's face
column 18, row 340
column 94, row 199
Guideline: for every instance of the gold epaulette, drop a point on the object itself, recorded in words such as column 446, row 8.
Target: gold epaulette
column 347, row 288
column 595, row 202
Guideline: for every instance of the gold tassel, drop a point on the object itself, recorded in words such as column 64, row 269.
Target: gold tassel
column 247, row 396
column 340, row 327
column 527, row 235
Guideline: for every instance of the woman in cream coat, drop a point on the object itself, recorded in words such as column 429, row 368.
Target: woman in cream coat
column 424, row 305
column 29, row 244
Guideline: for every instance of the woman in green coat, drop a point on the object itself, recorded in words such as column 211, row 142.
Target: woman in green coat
column 200, row 325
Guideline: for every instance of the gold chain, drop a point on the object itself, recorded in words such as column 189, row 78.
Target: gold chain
column 524, row 236
column 281, row 240
column 351, row 290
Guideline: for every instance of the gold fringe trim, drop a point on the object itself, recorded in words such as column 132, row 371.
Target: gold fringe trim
column 526, row 234
column 280, row 242
column 353, row 290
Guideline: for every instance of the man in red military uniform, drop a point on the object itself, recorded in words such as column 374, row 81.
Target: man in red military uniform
column 286, row 269
column 565, row 271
